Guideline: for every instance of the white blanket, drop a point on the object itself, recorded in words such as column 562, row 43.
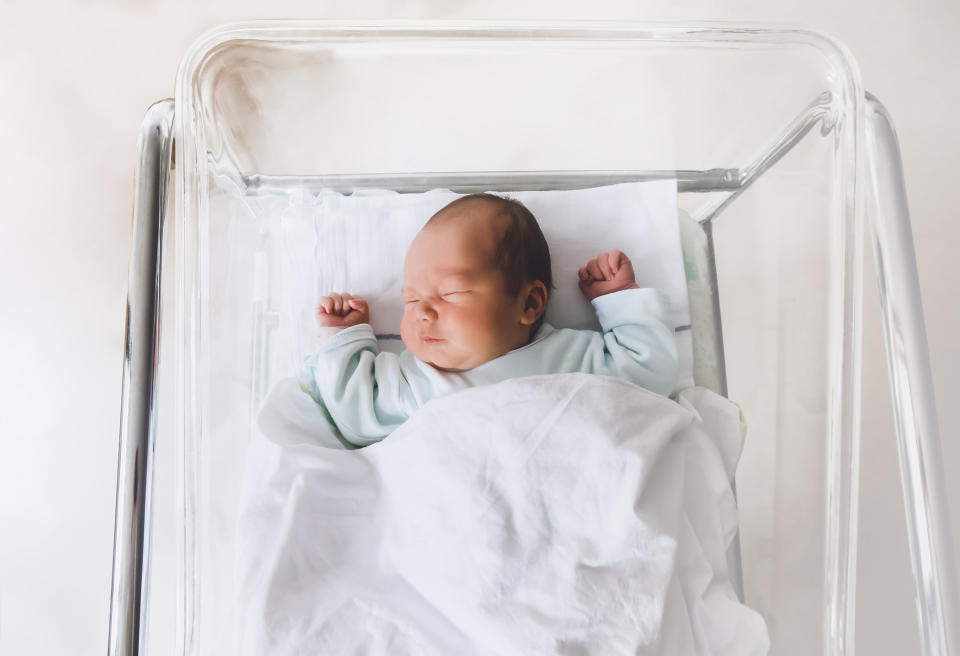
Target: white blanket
column 560, row 514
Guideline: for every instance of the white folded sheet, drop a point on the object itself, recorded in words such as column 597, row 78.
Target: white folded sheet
column 559, row 514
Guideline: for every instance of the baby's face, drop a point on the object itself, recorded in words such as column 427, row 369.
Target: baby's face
column 457, row 312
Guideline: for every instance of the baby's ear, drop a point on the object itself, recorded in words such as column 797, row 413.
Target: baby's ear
column 534, row 302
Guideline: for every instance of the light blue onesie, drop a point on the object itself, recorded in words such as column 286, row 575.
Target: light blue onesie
column 368, row 394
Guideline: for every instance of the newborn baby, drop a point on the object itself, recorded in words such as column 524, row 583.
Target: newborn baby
column 476, row 284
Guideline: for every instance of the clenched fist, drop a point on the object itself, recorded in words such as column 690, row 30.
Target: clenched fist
column 606, row 273
column 342, row 311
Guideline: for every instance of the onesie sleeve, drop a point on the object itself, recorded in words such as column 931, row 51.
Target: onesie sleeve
column 363, row 390
column 638, row 340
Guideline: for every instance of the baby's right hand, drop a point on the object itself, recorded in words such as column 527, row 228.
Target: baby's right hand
column 342, row 311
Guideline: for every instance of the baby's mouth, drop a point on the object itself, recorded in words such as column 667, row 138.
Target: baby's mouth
column 426, row 339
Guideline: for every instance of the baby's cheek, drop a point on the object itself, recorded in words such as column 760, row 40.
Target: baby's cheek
column 405, row 332
column 473, row 331
column 408, row 336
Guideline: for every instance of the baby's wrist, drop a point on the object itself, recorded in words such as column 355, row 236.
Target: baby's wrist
column 607, row 292
column 333, row 321
column 326, row 332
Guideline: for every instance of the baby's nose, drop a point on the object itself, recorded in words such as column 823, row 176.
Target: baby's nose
column 427, row 312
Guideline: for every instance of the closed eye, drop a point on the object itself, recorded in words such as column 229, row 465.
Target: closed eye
column 461, row 291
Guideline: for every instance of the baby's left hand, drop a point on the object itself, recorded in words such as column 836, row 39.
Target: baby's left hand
column 606, row 273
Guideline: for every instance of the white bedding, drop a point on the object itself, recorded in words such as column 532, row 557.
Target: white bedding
column 560, row 514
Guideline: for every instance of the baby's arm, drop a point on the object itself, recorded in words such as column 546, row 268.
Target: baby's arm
column 638, row 342
column 363, row 390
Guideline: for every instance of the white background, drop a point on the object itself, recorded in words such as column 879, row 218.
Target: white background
column 75, row 79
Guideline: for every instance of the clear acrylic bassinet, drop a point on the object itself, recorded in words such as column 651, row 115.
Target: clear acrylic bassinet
column 780, row 157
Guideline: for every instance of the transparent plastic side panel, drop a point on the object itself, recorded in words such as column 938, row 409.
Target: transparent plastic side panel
column 918, row 436
column 268, row 116
column 442, row 105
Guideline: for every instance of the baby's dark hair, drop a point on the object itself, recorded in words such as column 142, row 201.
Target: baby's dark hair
column 522, row 254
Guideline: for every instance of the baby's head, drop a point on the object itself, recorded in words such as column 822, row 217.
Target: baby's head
column 476, row 283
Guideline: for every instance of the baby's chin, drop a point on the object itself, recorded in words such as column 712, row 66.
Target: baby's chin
column 438, row 360
column 449, row 370
column 443, row 364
